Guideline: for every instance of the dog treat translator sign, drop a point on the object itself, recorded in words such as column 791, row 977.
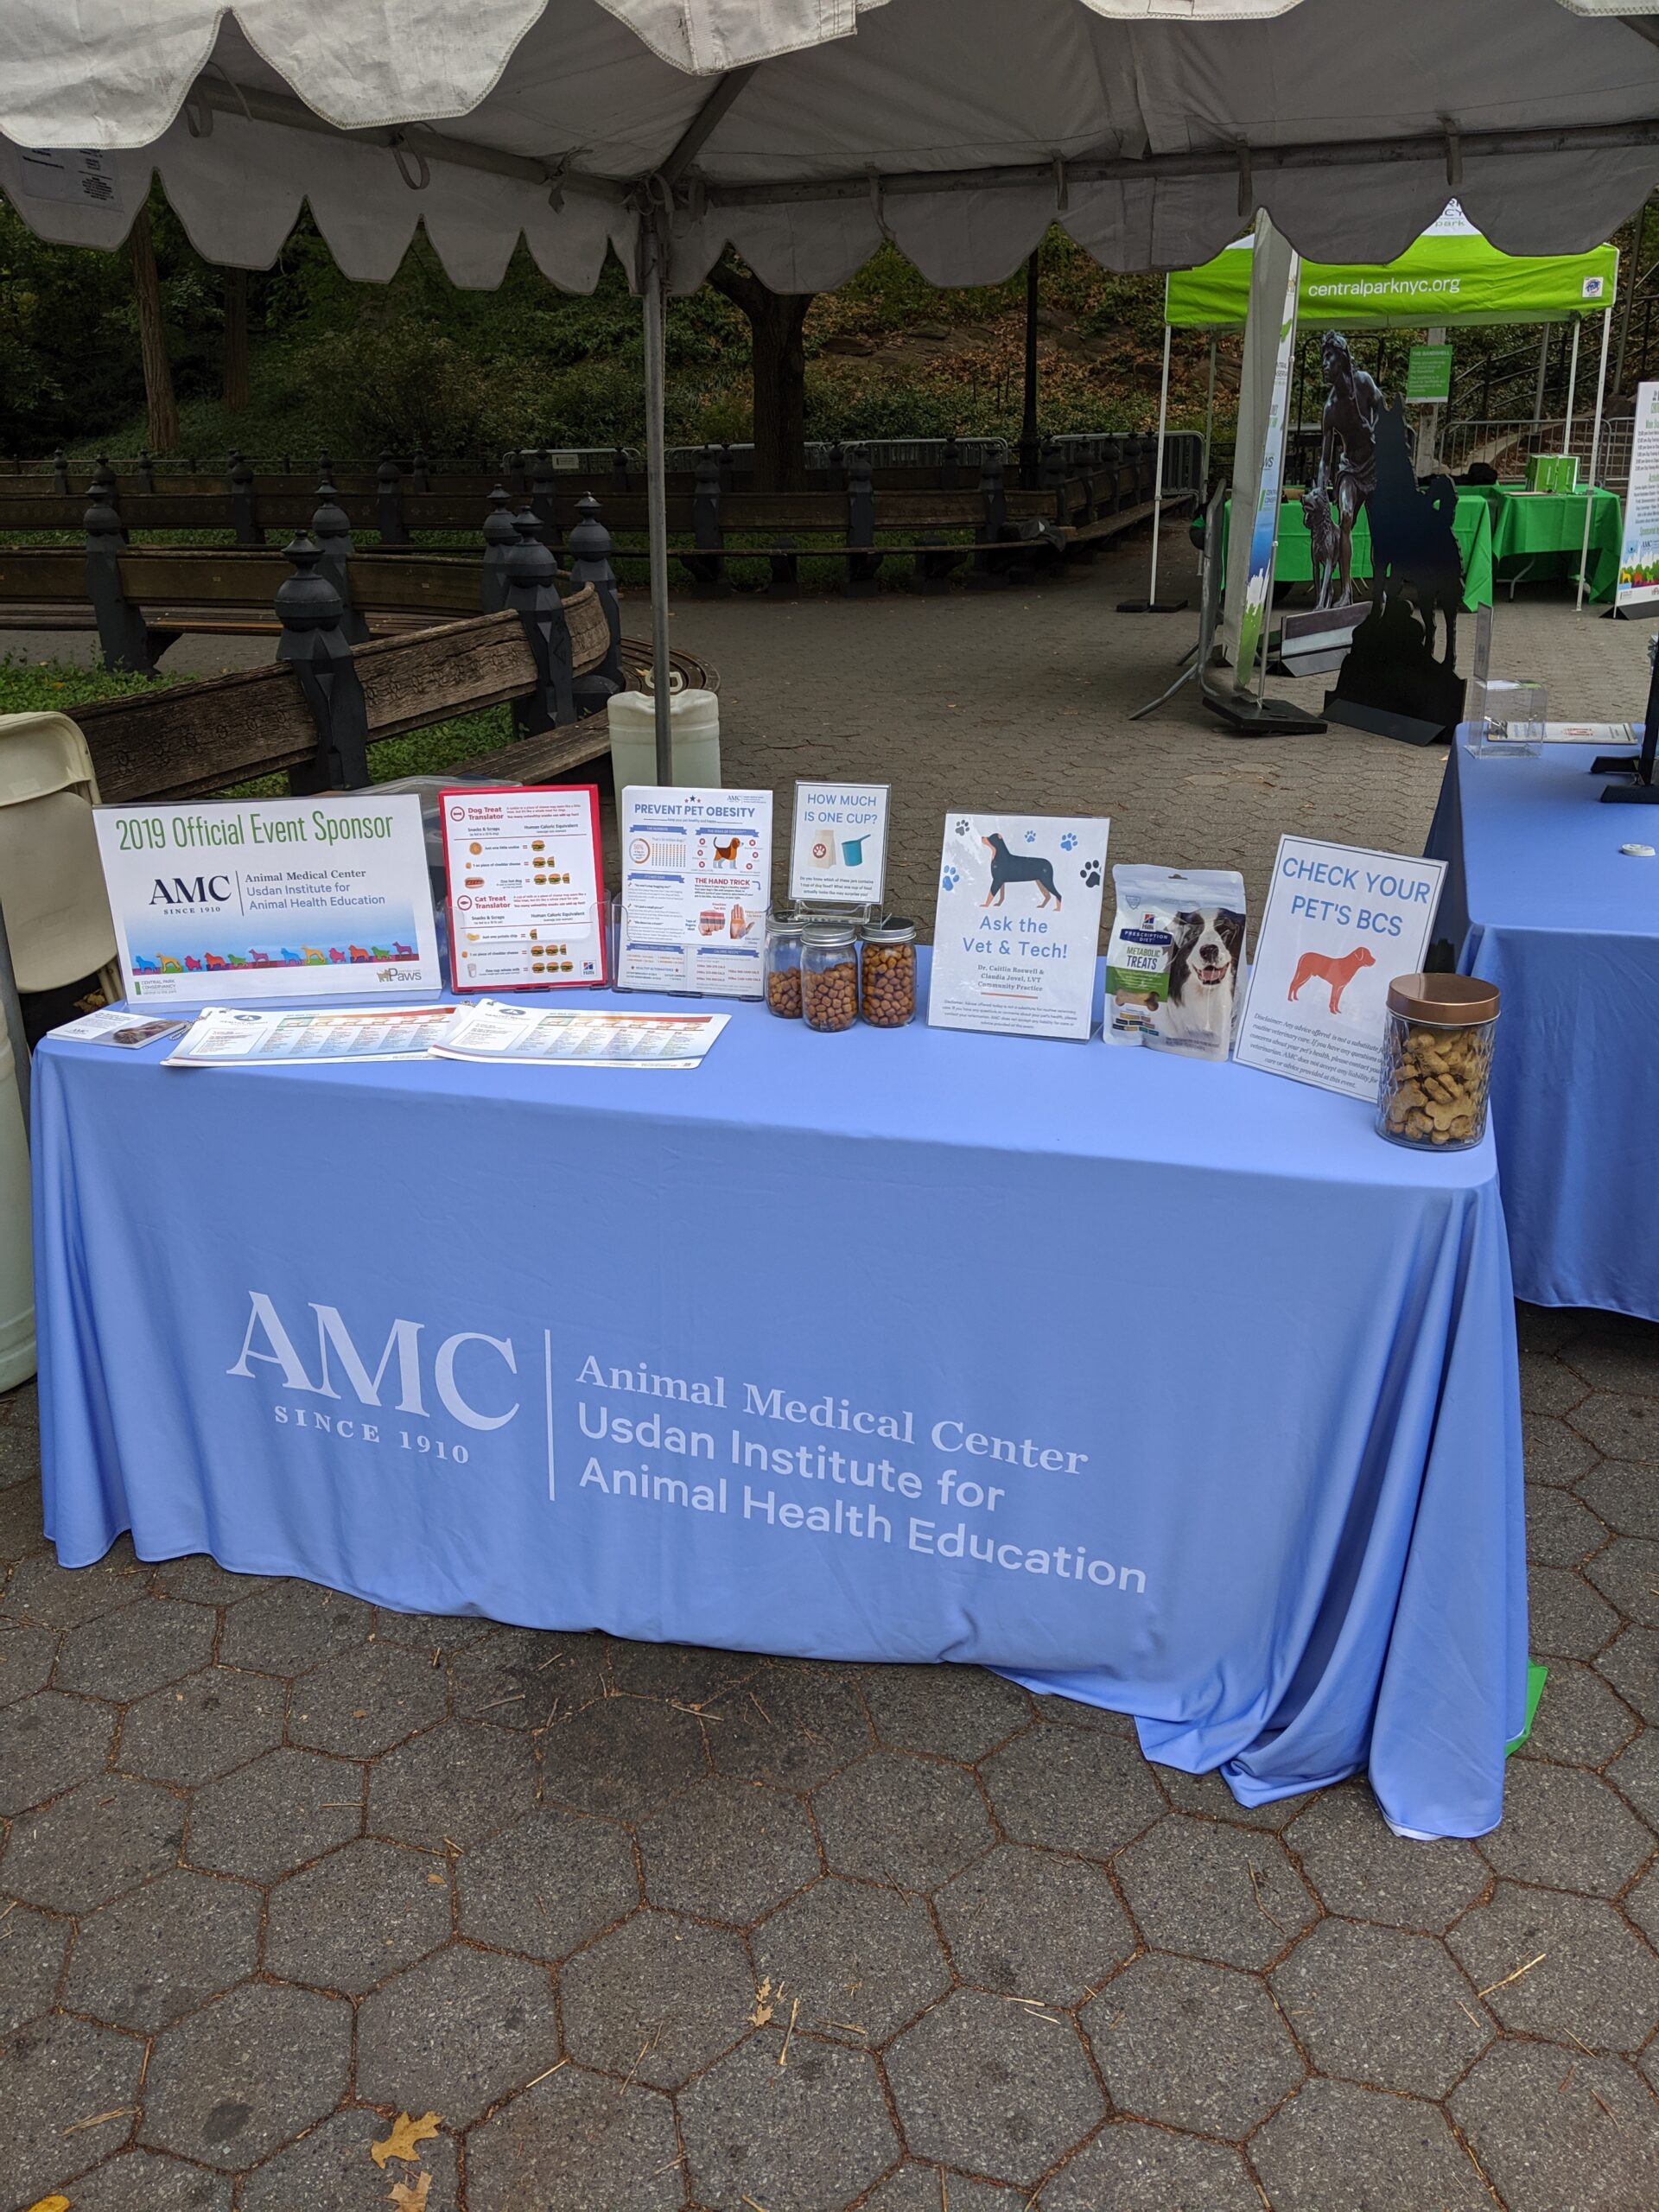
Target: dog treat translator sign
column 838, row 844
column 526, row 887
column 1017, row 924
column 1340, row 924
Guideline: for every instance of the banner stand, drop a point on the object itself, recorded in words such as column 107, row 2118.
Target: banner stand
column 1152, row 604
column 1642, row 790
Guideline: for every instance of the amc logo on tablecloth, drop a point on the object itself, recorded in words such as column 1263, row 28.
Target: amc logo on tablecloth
column 463, row 1371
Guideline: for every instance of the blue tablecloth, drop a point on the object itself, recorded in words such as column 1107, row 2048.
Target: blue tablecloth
column 1540, row 900
column 1168, row 1386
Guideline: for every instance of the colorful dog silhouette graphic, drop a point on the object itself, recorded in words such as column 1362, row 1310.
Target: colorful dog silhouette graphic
column 216, row 961
column 170, row 966
column 142, row 967
column 360, row 952
column 291, row 959
column 402, row 951
column 1008, row 868
column 314, row 956
column 1336, row 975
column 194, row 966
column 335, row 954
column 262, row 960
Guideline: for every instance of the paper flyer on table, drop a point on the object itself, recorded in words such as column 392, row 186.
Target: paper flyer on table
column 1339, row 924
column 589, row 1037
column 696, row 877
column 526, row 887
column 1017, row 924
column 115, row 1024
column 269, row 898
column 243, row 1037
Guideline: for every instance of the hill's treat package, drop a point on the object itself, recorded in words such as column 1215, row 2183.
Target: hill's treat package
column 1175, row 959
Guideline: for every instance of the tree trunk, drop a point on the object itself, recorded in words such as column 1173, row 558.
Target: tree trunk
column 778, row 374
column 236, row 337
column 152, row 339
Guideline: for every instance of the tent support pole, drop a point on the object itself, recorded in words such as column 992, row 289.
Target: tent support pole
column 1544, row 371
column 1209, row 415
column 1595, row 455
column 1152, row 604
column 1572, row 390
column 651, row 249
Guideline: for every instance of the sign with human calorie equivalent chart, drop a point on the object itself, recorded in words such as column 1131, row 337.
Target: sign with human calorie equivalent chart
column 1341, row 922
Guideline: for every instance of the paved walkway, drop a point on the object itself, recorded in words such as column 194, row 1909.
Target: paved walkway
column 652, row 1929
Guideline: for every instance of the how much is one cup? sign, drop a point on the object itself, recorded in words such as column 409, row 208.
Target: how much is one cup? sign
column 838, row 843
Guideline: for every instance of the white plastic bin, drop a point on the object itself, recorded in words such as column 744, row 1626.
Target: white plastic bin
column 16, row 1265
column 695, row 725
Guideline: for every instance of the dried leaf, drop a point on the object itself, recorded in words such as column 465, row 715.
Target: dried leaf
column 406, row 2134
column 411, row 2197
column 51, row 2204
column 765, row 2004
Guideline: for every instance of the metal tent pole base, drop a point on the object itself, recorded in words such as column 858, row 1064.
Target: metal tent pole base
column 1150, row 606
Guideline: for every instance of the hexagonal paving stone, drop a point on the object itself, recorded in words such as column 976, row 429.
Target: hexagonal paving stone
column 576, row 2143
column 683, row 1673
column 149, row 2181
column 207, row 1724
column 123, row 1654
column 1627, row 1575
column 1553, row 1452
column 1634, row 1773
column 1135, row 2168
column 49, row 1742
column 457, row 1783
column 1593, row 1980
column 916, row 2188
column 202, row 1581
column 59, row 1596
column 331, row 2171
column 1361, row 1868
column 546, row 1885
column 960, row 1712
column 1566, row 1829
column 1560, row 1529
column 1338, row 2144
column 1580, row 1720
column 151, row 1957
column 658, row 1998
column 525, row 1677
column 993, row 2087
column 1214, row 1892
column 896, row 1818
column 1625, row 1498
column 728, row 1851
column 1547, row 1386
column 26, row 1658
column 1619, row 1425
column 54, row 2075
column 21, row 1522
column 31, row 1959
column 431, row 1632
column 364, row 1700
column 1642, row 1906
column 251, row 2072
column 286, row 1809
column 1614, row 1354
column 810, row 2135
column 356, row 1917
column 103, row 1838
column 863, row 1961
column 1074, row 1789
column 621, row 1756
column 1197, row 2046
column 1631, row 1665
column 795, row 1722
column 1208, row 1795
column 1547, row 2143
column 289, row 1626
column 454, row 2033
column 1567, row 1619
column 1030, row 1924
column 1376, row 2005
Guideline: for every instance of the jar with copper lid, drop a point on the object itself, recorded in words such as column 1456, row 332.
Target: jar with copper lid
column 1437, row 1061
column 887, row 999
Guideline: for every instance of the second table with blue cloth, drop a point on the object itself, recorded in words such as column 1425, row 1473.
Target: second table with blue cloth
column 1168, row 1386
column 1539, row 899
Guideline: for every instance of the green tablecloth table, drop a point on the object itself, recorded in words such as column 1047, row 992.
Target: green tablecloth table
column 1541, row 533
column 1473, row 526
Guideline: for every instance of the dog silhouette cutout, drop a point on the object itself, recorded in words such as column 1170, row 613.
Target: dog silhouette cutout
column 1336, row 975
column 1008, row 868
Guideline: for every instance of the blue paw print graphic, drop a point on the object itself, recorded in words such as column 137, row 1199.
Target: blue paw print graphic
column 1068, row 844
column 961, row 828
column 1030, row 836
column 1090, row 873
column 951, row 879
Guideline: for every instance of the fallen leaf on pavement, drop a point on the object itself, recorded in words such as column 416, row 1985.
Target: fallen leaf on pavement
column 51, row 2204
column 405, row 2134
column 408, row 2199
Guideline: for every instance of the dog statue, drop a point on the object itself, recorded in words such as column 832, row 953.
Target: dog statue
column 1325, row 546
column 1008, row 868
column 1336, row 975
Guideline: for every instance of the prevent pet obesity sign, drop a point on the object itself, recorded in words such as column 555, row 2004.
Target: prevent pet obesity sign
column 1340, row 924
column 1017, row 924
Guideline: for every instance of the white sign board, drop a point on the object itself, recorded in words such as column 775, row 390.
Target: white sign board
column 1638, row 557
column 269, row 898
column 696, row 877
column 1340, row 924
column 838, row 844
column 526, row 887
column 1018, row 924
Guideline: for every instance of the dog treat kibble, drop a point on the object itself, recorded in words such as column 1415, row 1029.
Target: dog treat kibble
column 830, row 995
column 783, row 993
column 1437, row 1061
column 889, row 992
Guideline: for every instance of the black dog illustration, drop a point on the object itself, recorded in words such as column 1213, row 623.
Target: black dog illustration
column 1008, row 868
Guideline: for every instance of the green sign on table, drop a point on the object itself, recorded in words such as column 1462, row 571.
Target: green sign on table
column 1428, row 375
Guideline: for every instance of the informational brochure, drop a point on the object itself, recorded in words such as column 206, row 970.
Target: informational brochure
column 697, row 879
column 1597, row 733
column 589, row 1037
column 1018, row 923
column 838, row 844
column 1340, row 924
column 526, row 887
column 241, row 1037
column 275, row 898
column 115, row 1024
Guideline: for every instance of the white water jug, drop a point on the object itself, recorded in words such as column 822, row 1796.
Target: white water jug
column 695, row 721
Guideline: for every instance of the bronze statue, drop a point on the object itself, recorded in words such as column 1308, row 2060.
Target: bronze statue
column 1347, row 471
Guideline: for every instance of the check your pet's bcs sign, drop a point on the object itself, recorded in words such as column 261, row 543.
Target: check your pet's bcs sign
column 1340, row 924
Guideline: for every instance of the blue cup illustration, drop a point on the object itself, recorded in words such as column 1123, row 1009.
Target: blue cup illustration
column 852, row 851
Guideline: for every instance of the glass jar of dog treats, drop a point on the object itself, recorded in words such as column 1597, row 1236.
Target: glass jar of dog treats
column 1437, row 1061
column 784, row 966
column 887, row 1000
column 829, row 975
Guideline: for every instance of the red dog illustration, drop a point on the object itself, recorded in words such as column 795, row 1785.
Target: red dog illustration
column 1337, row 974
